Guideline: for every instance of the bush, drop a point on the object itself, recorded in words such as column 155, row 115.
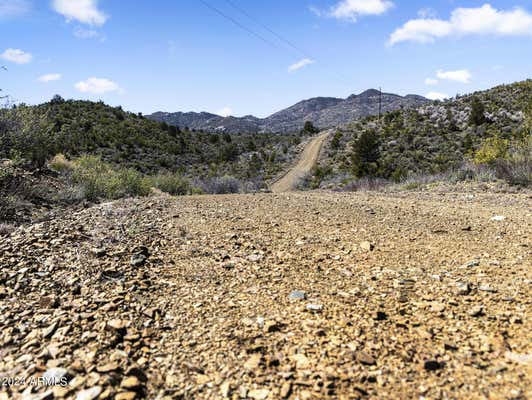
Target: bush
column 221, row 185
column 60, row 164
column 516, row 168
column 100, row 180
column 492, row 149
column 174, row 184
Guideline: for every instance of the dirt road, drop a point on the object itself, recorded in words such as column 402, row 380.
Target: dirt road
column 273, row 296
column 303, row 167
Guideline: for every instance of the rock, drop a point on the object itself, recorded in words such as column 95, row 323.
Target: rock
column 89, row 394
column 109, row 367
column 259, row 394
column 476, row 311
column 368, row 246
column 272, row 326
column 131, row 382
column 255, row 257
column 525, row 359
column 138, row 259
column 471, row 264
column 462, row 288
column 286, row 389
column 433, row 365
column 99, row 251
column 498, row 218
column 487, row 288
column 253, row 362
column 302, row 362
column 297, row 295
column 49, row 302
column 365, row 358
column 315, row 307
column 126, row 396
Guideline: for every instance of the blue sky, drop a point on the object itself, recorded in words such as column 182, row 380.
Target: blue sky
column 185, row 56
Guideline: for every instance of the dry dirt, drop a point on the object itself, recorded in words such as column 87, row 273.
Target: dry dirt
column 270, row 296
column 306, row 161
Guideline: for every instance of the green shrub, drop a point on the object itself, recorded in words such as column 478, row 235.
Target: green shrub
column 172, row 183
column 101, row 180
column 492, row 149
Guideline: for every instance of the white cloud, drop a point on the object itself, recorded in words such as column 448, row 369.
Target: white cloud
column 225, row 112
column 466, row 21
column 97, row 86
column 461, row 75
column 17, row 56
column 49, row 78
column 350, row 10
column 300, row 64
column 13, row 8
column 436, row 96
column 84, row 11
column 431, row 81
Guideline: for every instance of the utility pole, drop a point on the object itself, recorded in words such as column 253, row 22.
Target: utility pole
column 380, row 102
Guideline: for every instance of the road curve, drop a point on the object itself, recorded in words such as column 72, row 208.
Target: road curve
column 307, row 161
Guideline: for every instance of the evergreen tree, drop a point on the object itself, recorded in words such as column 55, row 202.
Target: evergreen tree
column 477, row 116
column 366, row 154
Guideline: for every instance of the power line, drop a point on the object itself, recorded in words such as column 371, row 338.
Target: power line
column 234, row 21
column 271, row 31
column 264, row 26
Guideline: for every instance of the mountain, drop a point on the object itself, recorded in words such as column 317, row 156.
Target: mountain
column 323, row 112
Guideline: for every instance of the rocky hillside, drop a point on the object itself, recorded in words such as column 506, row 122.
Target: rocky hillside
column 323, row 112
column 435, row 138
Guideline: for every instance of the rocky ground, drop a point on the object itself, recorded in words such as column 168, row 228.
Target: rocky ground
column 272, row 296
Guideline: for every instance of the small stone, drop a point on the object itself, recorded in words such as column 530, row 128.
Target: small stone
column 368, row 246
column 297, row 295
column 525, row 359
column 272, row 326
column 437, row 307
column 48, row 302
column 365, row 358
column 302, row 362
column 433, row 365
column 89, row 394
column 259, row 394
column 476, row 311
column 126, row 396
column 138, row 259
column 109, row 367
column 315, row 307
column 471, row 264
column 463, row 288
column 98, row 251
column 117, row 324
column 131, row 382
column 498, row 218
column 255, row 257
column 285, row 390
column 487, row 288
column 253, row 362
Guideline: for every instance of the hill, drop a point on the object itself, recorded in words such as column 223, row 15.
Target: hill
column 485, row 127
column 323, row 112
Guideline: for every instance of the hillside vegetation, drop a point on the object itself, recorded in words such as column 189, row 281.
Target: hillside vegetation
column 483, row 133
column 80, row 150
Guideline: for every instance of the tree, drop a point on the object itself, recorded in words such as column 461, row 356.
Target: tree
column 366, row 154
column 477, row 116
column 310, row 128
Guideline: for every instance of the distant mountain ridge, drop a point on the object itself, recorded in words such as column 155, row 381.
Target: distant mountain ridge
column 323, row 112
